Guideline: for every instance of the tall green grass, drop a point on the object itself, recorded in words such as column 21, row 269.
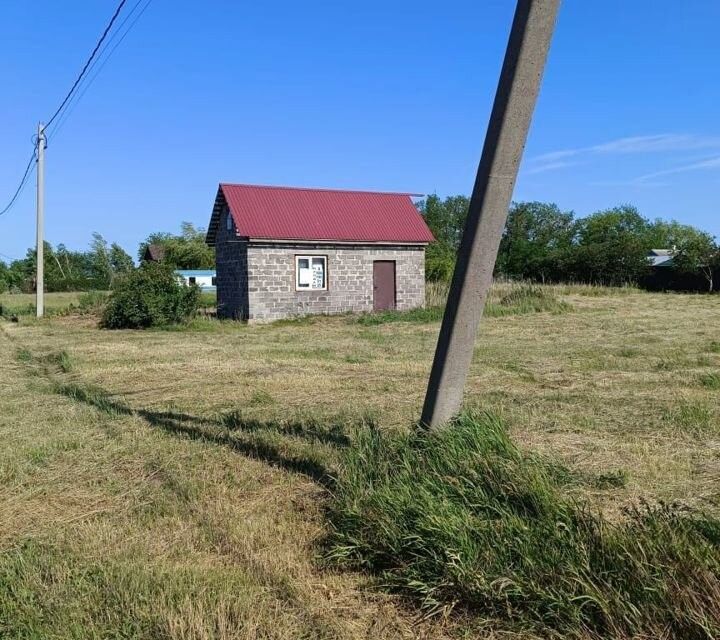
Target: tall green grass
column 57, row 304
column 516, row 300
column 527, row 298
column 463, row 519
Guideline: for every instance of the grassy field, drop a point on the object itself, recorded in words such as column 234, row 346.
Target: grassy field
column 68, row 302
column 173, row 484
column 24, row 303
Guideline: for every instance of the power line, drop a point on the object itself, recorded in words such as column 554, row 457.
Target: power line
column 103, row 61
column 70, row 100
column 87, row 64
column 23, row 181
column 85, row 84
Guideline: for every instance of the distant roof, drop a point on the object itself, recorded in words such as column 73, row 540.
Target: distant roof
column 292, row 213
column 154, row 253
column 195, row 272
column 661, row 257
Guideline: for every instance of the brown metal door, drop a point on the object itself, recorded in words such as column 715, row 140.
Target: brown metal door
column 383, row 285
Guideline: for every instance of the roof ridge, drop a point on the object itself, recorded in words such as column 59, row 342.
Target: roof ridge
column 285, row 187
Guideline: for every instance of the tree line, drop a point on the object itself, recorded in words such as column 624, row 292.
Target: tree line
column 99, row 266
column 540, row 243
column 545, row 244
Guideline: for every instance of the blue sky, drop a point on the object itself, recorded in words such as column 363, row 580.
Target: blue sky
column 368, row 95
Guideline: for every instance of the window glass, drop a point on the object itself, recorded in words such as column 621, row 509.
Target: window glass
column 303, row 273
column 318, row 273
column 311, row 272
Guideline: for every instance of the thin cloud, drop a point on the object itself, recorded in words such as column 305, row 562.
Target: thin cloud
column 666, row 142
column 556, row 155
column 550, row 166
column 709, row 163
column 659, row 143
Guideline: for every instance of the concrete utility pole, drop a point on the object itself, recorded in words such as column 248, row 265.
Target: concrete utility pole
column 40, row 244
column 517, row 91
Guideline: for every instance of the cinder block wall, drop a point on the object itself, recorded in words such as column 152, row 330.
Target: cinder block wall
column 271, row 279
column 231, row 264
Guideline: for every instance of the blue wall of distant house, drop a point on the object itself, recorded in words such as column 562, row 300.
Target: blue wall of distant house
column 203, row 278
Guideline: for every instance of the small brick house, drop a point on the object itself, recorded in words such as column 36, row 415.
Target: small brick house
column 283, row 252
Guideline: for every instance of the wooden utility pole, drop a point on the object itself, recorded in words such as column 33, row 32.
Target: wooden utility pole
column 515, row 99
column 40, row 242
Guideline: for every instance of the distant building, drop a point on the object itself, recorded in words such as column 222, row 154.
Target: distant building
column 283, row 251
column 661, row 257
column 154, row 253
column 203, row 278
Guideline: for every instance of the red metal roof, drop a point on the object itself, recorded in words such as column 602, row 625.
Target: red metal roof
column 290, row 213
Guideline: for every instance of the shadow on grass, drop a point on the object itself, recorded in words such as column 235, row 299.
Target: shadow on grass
column 311, row 429
column 248, row 437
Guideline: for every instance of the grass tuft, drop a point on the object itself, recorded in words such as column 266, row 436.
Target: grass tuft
column 59, row 359
column 691, row 417
column 628, row 352
column 23, row 355
column 261, row 398
column 710, row 380
column 422, row 315
column 611, row 479
column 462, row 518
column 525, row 299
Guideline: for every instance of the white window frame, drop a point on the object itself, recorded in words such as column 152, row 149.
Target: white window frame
column 310, row 258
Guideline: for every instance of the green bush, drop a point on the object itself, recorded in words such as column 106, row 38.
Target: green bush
column 527, row 298
column 439, row 262
column 150, row 296
column 463, row 519
column 92, row 301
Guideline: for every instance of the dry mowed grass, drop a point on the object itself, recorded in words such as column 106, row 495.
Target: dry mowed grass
column 170, row 483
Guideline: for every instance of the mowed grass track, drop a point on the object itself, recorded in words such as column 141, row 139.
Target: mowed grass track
column 172, row 483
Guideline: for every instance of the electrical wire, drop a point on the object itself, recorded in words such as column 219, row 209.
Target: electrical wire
column 87, row 64
column 72, row 97
column 23, row 182
column 103, row 61
column 85, row 83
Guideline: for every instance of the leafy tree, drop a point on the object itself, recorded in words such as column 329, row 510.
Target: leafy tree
column 697, row 253
column 121, row 262
column 150, row 296
column 3, row 277
column 446, row 219
column 107, row 262
column 439, row 262
column 18, row 276
column 67, row 270
column 536, row 242
column 611, row 247
column 185, row 251
column 663, row 234
column 99, row 256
